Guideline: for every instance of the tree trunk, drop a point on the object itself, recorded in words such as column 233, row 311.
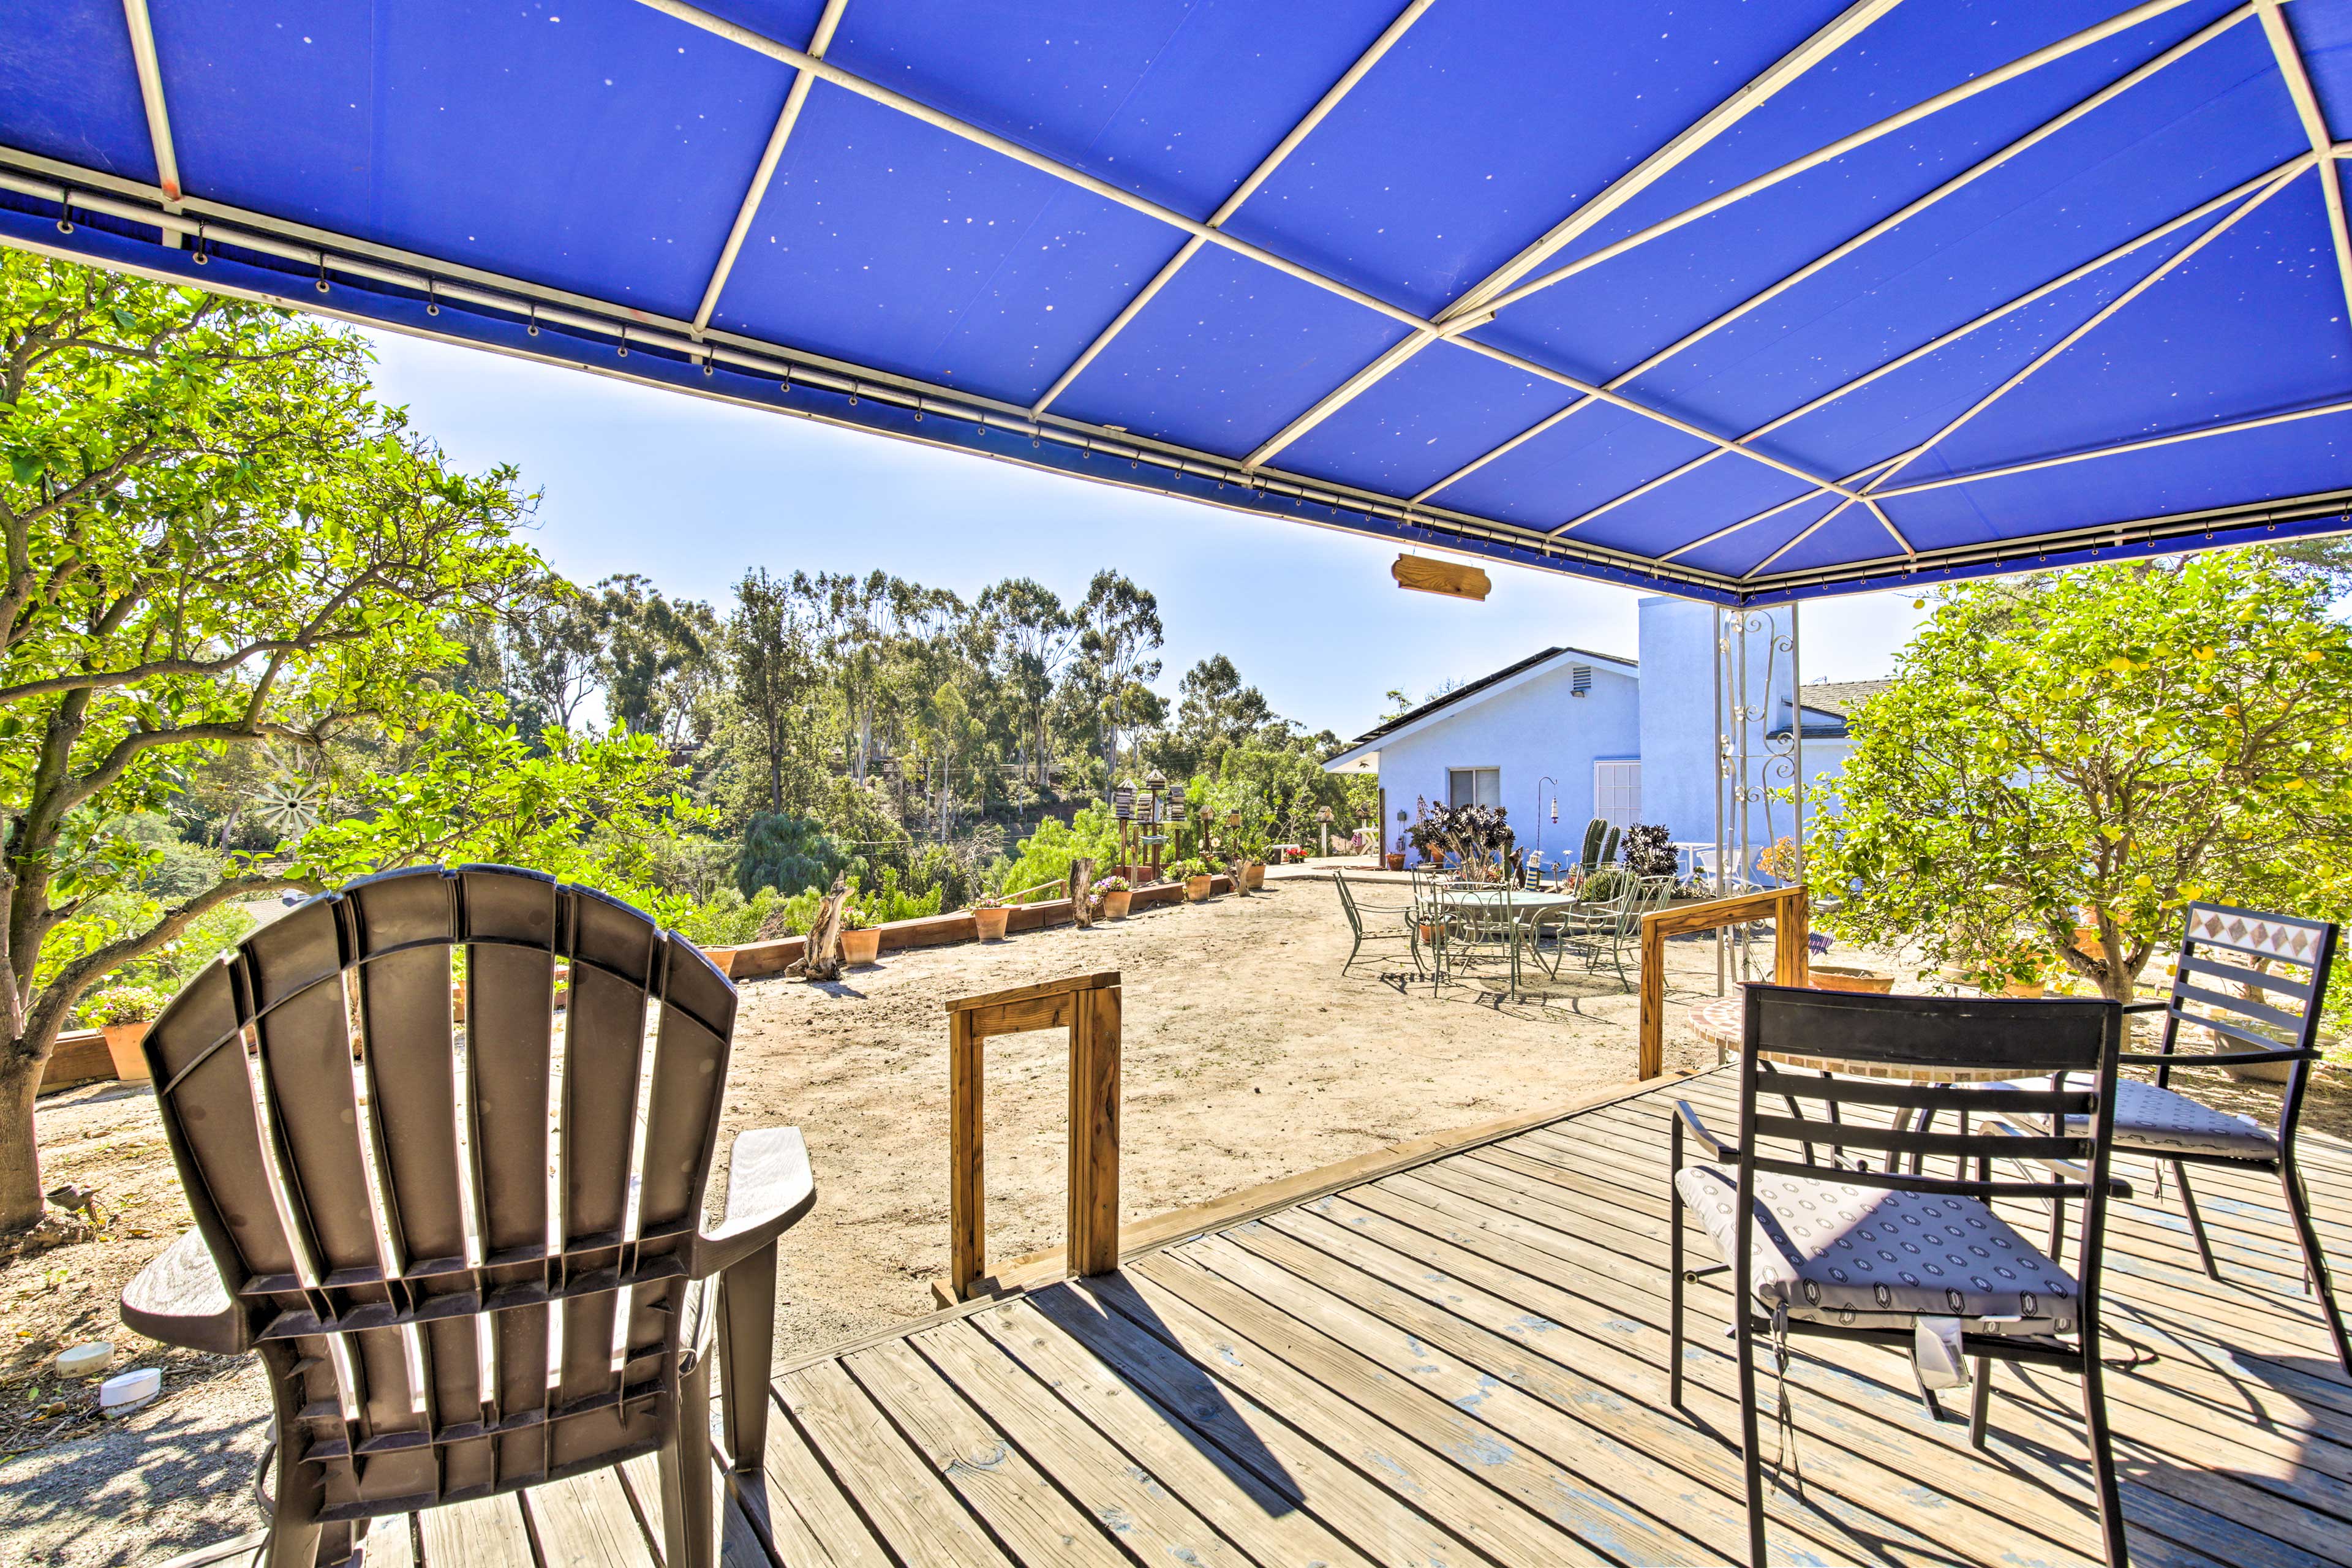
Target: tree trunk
column 20, row 1157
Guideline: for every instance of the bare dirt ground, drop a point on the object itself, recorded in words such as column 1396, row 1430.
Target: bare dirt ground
column 1247, row 1057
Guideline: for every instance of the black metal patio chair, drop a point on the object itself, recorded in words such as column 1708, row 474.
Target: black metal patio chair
column 1862, row 1249
column 2270, row 1017
column 478, row 1262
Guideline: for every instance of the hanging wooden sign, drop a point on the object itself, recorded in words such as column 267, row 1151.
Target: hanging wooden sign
column 1426, row 574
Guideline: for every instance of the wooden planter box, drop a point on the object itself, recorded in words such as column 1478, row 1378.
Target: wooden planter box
column 755, row 959
column 80, row 1056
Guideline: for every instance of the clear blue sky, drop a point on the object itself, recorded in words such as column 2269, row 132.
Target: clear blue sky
column 692, row 493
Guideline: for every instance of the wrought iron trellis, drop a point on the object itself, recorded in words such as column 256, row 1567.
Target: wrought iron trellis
column 1752, row 764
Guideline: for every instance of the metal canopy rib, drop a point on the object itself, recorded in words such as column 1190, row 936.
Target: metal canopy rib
column 1828, row 259
column 1241, row 193
column 258, row 248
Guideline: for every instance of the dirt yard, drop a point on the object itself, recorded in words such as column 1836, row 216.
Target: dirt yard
column 1247, row 1057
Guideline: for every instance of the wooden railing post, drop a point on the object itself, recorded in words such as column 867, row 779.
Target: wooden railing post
column 967, row 1163
column 1653, row 1056
column 1093, row 1228
column 1786, row 908
column 1088, row 1005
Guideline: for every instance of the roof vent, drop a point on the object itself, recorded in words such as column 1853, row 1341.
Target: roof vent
column 1579, row 679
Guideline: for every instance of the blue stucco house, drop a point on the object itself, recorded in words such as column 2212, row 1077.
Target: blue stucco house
column 1570, row 733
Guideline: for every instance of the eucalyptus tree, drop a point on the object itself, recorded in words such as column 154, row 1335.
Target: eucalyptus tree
column 1035, row 635
column 771, row 641
column 658, row 658
column 1119, row 630
column 214, row 542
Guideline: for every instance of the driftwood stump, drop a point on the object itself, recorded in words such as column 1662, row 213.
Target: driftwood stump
column 1082, row 878
column 820, row 959
column 1233, row 870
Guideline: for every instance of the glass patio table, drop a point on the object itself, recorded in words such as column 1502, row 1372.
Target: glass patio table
column 1490, row 899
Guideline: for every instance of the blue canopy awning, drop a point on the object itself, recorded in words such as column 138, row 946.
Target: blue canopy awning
column 1745, row 300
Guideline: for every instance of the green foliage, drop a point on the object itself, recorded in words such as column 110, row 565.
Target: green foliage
column 728, row 918
column 888, row 900
column 1046, row 854
column 220, row 545
column 2098, row 746
column 788, row 853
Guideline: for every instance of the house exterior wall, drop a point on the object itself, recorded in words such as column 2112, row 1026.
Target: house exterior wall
column 1536, row 728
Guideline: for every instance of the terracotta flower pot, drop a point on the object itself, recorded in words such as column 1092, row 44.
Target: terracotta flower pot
column 992, row 922
column 2023, row 988
column 122, row 1045
column 1396, row 862
column 1115, row 904
column 1254, row 874
column 2086, row 942
column 861, row 947
column 1196, row 889
column 1838, row 978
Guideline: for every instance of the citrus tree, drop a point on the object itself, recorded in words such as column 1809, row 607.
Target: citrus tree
column 2094, row 748
column 213, row 541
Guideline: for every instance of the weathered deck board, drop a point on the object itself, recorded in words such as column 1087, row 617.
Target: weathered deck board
column 1465, row 1361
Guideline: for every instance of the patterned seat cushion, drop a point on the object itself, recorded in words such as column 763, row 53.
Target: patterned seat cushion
column 1845, row 1253
column 2149, row 1120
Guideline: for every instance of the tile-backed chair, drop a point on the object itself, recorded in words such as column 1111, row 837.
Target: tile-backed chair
column 2272, row 1017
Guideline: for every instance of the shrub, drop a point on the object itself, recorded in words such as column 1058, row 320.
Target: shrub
column 1045, row 856
column 788, row 853
column 728, row 918
column 1649, row 851
column 121, row 1004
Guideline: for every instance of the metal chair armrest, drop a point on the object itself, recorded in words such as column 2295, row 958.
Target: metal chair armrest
column 2222, row 1059
column 2117, row 1186
column 768, row 1188
column 1717, row 1146
column 2148, row 1004
column 180, row 1300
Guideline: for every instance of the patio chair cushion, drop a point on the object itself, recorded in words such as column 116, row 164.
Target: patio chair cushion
column 2149, row 1120
column 1854, row 1254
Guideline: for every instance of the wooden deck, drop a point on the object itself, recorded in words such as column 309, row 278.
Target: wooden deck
column 1464, row 1363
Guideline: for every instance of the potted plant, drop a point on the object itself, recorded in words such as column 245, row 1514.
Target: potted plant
column 1194, row 874
column 1113, row 895
column 861, row 939
column 988, row 915
column 122, row 1013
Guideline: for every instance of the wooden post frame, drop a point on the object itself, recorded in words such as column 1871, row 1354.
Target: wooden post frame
column 1089, row 1006
column 1786, row 908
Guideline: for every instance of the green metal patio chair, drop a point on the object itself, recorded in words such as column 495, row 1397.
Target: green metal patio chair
column 1356, row 910
column 476, row 1327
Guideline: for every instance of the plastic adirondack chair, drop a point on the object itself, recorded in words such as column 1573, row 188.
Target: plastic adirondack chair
column 472, row 1195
